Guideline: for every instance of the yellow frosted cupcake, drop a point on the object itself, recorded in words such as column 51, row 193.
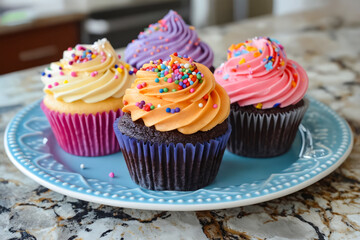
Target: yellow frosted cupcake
column 83, row 97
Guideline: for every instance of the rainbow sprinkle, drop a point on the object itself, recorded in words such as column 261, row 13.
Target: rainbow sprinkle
column 184, row 75
column 259, row 106
column 145, row 106
column 171, row 71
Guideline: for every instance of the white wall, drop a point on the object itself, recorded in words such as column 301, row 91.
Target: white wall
column 281, row 7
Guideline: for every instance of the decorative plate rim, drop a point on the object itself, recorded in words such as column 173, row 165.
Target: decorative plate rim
column 232, row 202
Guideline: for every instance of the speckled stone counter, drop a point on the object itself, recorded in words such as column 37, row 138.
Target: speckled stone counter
column 325, row 42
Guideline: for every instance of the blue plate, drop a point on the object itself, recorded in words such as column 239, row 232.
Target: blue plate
column 323, row 142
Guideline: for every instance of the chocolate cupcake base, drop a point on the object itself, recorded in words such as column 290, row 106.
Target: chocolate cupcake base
column 266, row 132
column 139, row 131
column 172, row 166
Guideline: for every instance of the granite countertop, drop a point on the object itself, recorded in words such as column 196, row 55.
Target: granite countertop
column 325, row 42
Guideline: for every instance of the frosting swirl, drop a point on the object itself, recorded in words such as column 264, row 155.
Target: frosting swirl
column 90, row 73
column 177, row 94
column 170, row 34
column 258, row 73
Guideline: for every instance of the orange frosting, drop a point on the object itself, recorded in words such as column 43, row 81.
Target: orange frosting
column 203, row 105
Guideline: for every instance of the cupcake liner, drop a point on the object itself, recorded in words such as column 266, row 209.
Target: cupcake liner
column 159, row 166
column 264, row 135
column 84, row 135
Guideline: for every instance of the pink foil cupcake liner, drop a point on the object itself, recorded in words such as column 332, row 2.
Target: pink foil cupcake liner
column 264, row 135
column 84, row 135
column 158, row 166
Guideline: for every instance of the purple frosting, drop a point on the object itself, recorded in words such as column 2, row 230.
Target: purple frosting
column 170, row 34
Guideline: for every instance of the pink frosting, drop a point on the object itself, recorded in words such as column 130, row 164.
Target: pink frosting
column 259, row 73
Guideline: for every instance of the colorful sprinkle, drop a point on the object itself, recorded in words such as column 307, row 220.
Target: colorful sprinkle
column 215, row 105
column 82, row 166
column 111, row 174
column 269, row 66
column 259, row 106
column 73, row 74
column 147, row 108
column 226, row 76
column 201, row 105
column 276, row 105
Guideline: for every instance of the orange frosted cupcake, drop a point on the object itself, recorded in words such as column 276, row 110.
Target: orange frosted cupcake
column 174, row 130
column 83, row 97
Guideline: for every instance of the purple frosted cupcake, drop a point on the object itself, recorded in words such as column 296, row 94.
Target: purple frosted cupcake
column 170, row 34
column 174, row 131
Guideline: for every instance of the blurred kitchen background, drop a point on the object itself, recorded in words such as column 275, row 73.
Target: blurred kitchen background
column 35, row 32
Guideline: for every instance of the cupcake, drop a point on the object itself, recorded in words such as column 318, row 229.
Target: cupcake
column 174, row 131
column 266, row 91
column 168, row 35
column 83, row 97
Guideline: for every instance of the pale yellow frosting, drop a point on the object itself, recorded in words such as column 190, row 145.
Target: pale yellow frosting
column 81, row 107
column 90, row 81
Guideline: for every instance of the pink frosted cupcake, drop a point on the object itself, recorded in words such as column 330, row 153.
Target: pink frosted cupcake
column 266, row 91
column 83, row 97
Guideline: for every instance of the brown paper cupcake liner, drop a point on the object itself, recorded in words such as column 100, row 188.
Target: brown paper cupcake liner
column 264, row 135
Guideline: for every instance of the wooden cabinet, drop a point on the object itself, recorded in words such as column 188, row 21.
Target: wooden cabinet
column 38, row 43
